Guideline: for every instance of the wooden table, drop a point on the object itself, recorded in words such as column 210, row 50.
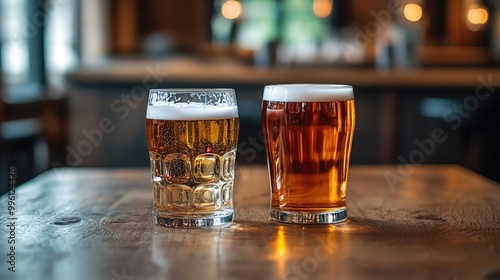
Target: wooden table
column 438, row 222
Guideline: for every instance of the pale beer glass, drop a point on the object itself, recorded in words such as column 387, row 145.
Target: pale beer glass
column 192, row 137
column 308, row 131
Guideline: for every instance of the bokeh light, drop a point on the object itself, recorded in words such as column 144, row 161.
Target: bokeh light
column 231, row 9
column 477, row 15
column 322, row 8
column 412, row 12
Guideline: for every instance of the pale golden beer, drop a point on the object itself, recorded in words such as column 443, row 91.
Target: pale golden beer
column 192, row 149
column 308, row 131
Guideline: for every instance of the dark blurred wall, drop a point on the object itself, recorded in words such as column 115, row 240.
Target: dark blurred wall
column 185, row 23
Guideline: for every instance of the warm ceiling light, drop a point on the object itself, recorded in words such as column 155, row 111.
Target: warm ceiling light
column 231, row 9
column 412, row 12
column 477, row 15
column 322, row 8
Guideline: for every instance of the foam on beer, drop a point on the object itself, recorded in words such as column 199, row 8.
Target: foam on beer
column 308, row 93
column 191, row 113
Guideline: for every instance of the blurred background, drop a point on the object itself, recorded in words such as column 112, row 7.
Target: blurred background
column 75, row 74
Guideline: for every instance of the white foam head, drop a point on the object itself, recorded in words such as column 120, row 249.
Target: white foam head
column 191, row 112
column 308, row 93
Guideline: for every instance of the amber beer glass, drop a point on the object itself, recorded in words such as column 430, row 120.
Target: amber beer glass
column 308, row 131
column 192, row 137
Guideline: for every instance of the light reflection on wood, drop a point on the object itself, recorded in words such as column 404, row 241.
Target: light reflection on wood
column 439, row 222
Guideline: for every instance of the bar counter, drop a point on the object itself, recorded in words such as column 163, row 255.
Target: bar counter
column 187, row 70
column 405, row 222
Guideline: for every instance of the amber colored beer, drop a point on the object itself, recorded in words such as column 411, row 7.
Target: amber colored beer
column 308, row 145
column 188, row 154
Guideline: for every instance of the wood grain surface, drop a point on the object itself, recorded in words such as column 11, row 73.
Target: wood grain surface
column 437, row 222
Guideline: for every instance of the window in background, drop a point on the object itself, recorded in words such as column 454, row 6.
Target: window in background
column 15, row 63
column 22, row 59
column 304, row 27
column 39, row 41
column 61, row 40
column 259, row 23
column 300, row 27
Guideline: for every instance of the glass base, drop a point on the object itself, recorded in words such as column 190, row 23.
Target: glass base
column 311, row 218
column 219, row 220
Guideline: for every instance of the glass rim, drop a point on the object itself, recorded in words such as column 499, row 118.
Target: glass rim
column 295, row 85
column 307, row 92
column 190, row 90
column 192, row 104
